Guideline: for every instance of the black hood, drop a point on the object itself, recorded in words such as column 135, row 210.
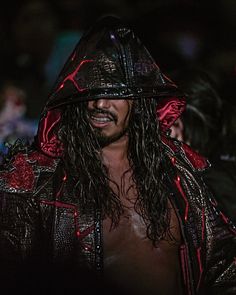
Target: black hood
column 109, row 61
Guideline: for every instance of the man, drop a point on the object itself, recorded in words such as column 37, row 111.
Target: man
column 104, row 191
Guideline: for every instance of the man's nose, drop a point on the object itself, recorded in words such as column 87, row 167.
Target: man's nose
column 102, row 103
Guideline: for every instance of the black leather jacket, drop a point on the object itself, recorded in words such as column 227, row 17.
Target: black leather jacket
column 41, row 224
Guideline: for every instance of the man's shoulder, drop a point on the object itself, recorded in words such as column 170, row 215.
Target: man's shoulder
column 20, row 171
column 179, row 151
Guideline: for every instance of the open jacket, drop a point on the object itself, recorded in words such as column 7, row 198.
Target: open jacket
column 41, row 223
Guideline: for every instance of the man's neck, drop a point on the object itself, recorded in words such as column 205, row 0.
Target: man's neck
column 115, row 159
column 115, row 154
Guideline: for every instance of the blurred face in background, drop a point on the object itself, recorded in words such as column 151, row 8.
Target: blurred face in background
column 13, row 100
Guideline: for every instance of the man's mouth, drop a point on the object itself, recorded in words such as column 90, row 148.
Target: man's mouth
column 101, row 118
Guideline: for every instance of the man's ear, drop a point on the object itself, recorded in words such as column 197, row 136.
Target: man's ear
column 177, row 130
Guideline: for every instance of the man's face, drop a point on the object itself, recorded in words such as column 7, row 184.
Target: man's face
column 109, row 118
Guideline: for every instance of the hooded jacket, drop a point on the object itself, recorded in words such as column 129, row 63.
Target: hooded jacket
column 40, row 220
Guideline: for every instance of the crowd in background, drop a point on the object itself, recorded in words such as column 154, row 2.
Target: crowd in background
column 37, row 36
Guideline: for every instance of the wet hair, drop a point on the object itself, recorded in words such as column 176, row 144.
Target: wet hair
column 83, row 162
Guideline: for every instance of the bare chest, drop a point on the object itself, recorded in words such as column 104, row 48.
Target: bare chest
column 134, row 265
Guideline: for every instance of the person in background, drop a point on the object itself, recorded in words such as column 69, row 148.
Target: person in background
column 37, row 49
column 208, row 126
column 14, row 124
column 104, row 199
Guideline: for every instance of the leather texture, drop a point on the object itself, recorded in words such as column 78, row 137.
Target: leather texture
column 41, row 222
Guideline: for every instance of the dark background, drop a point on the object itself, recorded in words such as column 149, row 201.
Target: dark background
column 37, row 36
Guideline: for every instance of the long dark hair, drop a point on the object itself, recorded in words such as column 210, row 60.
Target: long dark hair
column 83, row 163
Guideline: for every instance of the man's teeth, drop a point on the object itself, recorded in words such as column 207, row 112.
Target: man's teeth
column 101, row 119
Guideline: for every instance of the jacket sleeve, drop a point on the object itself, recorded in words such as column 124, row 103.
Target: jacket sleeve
column 220, row 276
column 19, row 235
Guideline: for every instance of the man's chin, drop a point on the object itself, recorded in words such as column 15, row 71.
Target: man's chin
column 105, row 140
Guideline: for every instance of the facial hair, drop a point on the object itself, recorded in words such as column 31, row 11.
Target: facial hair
column 104, row 140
